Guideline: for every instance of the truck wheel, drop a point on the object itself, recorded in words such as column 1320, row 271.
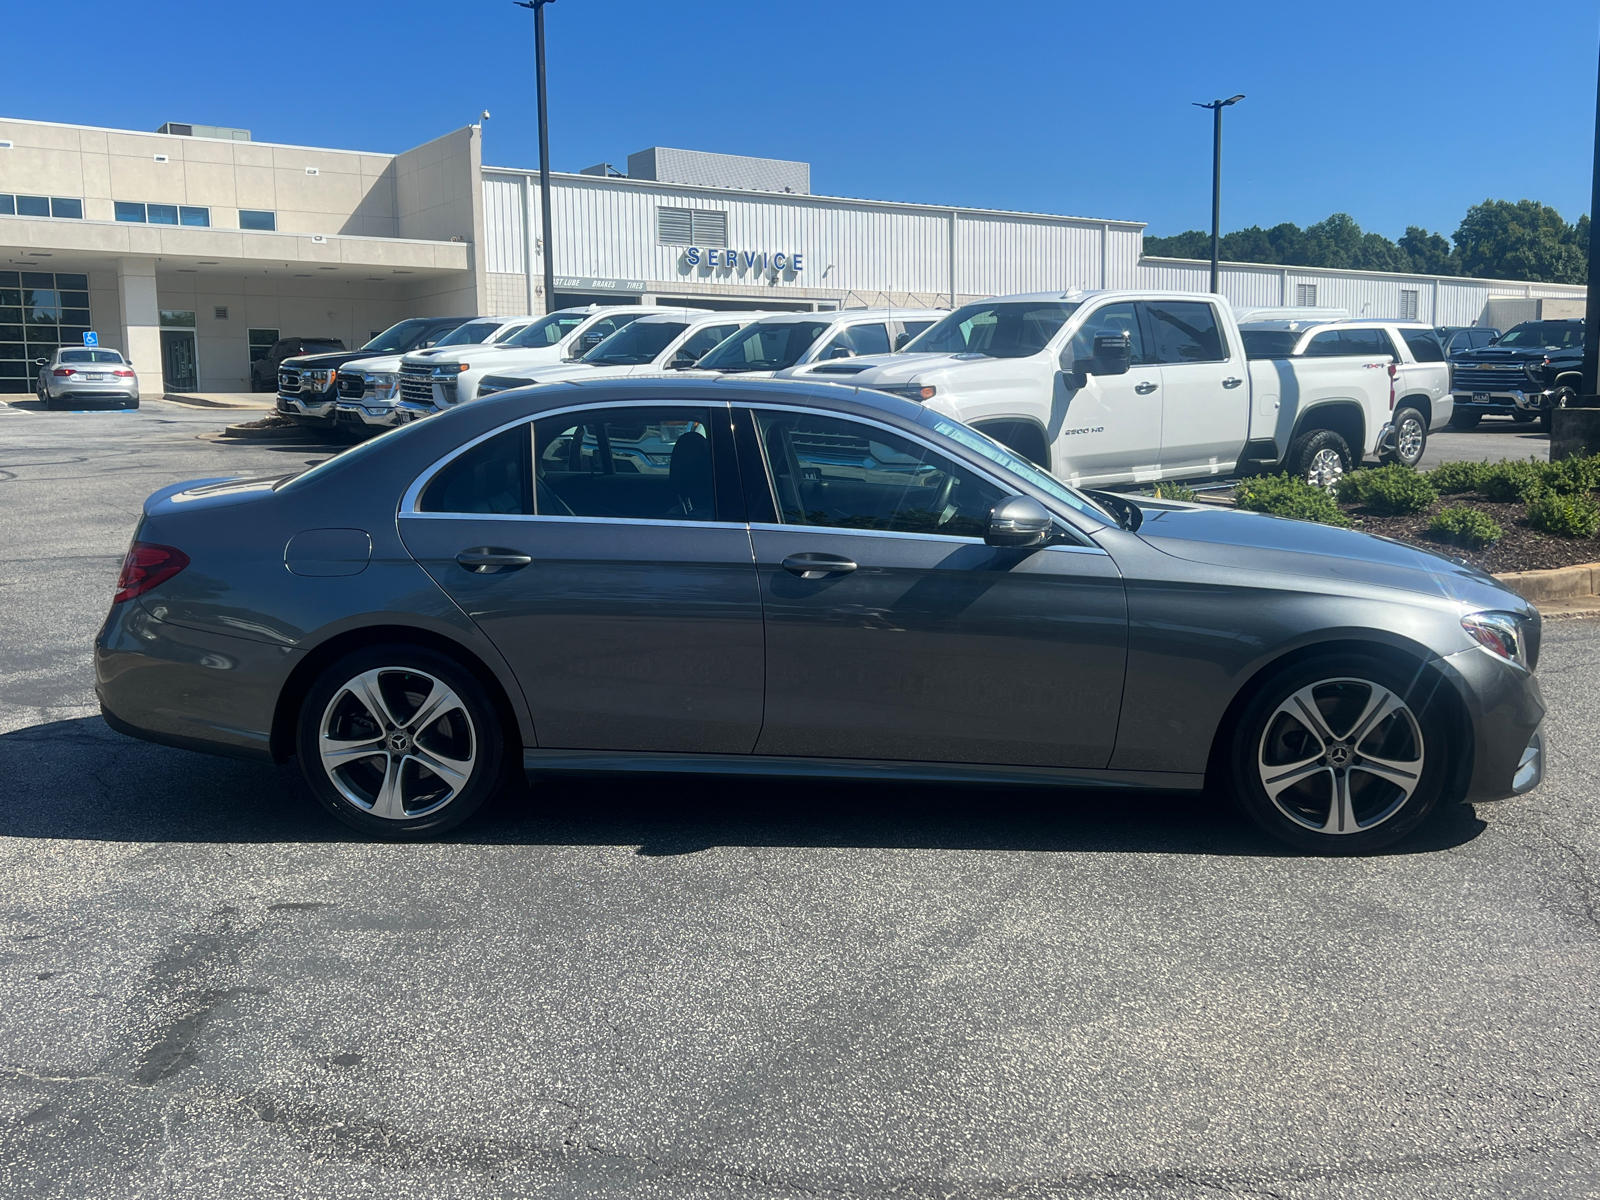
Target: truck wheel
column 1321, row 458
column 1410, row 438
column 1563, row 398
column 1465, row 420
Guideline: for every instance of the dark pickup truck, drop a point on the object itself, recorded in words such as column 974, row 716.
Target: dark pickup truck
column 308, row 385
column 1534, row 368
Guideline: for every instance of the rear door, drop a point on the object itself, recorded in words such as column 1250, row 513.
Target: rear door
column 1423, row 371
column 1205, row 414
column 603, row 551
column 894, row 632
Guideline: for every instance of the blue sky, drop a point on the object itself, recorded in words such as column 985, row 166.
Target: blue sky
column 1375, row 109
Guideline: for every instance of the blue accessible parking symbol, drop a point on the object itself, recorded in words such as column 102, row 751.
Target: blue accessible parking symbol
column 91, row 338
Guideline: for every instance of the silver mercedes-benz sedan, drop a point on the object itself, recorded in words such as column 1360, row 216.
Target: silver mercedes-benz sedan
column 800, row 579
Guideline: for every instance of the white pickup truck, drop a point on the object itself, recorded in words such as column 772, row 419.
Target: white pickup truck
column 1132, row 387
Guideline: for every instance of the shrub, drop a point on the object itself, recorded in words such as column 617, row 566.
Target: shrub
column 1452, row 477
column 1574, row 476
column 1564, row 516
column 1507, row 480
column 1172, row 491
column 1288, row 496
column 1463, row 526
column 1388, row 491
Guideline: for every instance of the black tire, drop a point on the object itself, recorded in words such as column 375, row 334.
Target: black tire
column 1410, row 438
column 130, row 404
column 1522, row 418
column 1312, row 457
column 468, row 730
column 1379, row 809
column 1564, row 397
column 1465, row 420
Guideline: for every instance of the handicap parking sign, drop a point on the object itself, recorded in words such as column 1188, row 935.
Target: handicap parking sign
column 91, row 338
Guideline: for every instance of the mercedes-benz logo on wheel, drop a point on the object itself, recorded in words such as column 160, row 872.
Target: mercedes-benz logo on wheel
column 1339, row 756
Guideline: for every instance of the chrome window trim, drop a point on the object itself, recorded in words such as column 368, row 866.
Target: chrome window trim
column 408, row 501
column 629, row 521
column 835, row 530
column 1008, row 488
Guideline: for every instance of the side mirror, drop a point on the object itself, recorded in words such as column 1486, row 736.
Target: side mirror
column 839, row 352
column 684, row 358
column 1113, row 353
column 1076, row 376
column 1019, row 522
column 901, row 340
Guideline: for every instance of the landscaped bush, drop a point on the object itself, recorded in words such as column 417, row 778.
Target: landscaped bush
column 1452, row 477
column 1574, row 476
column 1172, row 491
column 1463, row 526
column 1388, row 491
column 1564, row 516
column 1519, row 479
column 1288, row 496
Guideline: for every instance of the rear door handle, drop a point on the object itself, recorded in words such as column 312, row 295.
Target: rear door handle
column 1231, row 382
column 817, row 566
column 492, row 560
column 1144, row 389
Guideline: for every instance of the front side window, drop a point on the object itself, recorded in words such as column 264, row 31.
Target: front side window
column 637, row 343
column 407, row 335
column 1543, row 335
column 697, row 344
column 869, row 339
column 1184, row 332
column 472, row 333
column 765, row 347
column 1113, row 318
column 1013, row 329
column 641, row 463
column 547, row 332
column 841, row 474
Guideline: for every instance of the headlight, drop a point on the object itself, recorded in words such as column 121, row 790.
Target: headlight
column 450, row 370
column 915, row 392
column 1535, row 369
column 383, row 386
column 322, row 377
column 1500, row 633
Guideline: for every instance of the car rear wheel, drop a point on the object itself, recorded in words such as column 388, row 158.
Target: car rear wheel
column 1341, row 754
column 400, row 742
column 1464, row 420
column 1321, row 458
column 1410, row 438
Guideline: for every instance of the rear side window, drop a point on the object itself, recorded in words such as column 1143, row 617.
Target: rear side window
column 1367, row 343
column 1184, row 332
column 494, row 476
column 1269, row 343
column 626, row 463
column 1424, row 346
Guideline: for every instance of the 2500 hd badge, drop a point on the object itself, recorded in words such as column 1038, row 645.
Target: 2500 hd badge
column 1085, row 429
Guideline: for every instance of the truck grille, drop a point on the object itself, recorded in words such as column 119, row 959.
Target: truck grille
column 417, row 388
column 288, row 382
column 1481, row 377
column 351, row 387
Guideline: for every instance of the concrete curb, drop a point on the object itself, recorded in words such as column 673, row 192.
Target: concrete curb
column 192, row 401
column 1562, row 583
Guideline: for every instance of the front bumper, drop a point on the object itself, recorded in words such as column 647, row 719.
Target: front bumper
column 1509, row 401
column 308, row 409
column 1506, row 710
column 377, row 414
column 411, row 410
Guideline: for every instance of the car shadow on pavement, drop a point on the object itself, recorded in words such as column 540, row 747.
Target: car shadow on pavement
column 79, row 779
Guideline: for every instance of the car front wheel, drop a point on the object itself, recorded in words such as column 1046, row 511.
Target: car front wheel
column 1464, row 419
column 1340, row 755
column 400, row 742
column 1565, row 397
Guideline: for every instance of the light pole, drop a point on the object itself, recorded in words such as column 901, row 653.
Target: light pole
column 544, row 151
column 1591, row 321
column 1216, row 107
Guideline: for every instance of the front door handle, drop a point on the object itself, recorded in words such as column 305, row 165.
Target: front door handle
column 1231, row 382
column 1144, row 389
column 492, row 560
column 817, row 566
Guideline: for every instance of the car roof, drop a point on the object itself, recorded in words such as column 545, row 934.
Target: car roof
column 851, row 314
column 696, row 316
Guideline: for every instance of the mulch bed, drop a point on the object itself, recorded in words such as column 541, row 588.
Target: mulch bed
column 1523, row 548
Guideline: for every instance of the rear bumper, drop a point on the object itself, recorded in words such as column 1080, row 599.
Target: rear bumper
column 97, row 395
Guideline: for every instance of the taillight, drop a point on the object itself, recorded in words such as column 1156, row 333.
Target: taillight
column 1393, row 371
column 123, row 373
column 148, row 565
column 63, row 371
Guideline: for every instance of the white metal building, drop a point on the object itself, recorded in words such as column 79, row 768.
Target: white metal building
column 194, row 248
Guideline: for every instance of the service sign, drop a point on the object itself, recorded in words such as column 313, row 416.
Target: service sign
column 742, row 262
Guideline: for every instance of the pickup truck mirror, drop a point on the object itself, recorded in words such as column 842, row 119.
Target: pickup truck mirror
column 684, row 358
column 901, row 339
column 1018, row 522
column 1113, row 352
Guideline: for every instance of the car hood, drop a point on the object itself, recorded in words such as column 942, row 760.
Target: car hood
column 558, row 371
column 905, row 367
column 331, row 358
column 485, row 356
column 376, row 364
column 1250, row 541
column 1511, row 354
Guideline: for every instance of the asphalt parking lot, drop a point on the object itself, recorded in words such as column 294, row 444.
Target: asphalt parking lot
column 658, row 989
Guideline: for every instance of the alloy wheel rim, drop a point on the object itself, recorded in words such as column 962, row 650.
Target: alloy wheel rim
column 1409, row 441
column 397, row 743
column 1341, row 756
column 1325, row 470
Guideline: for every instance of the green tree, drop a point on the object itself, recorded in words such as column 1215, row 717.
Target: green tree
column 1430, row 253
column 1526, row 240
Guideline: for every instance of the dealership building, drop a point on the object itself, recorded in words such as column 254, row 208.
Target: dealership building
column 194, row 248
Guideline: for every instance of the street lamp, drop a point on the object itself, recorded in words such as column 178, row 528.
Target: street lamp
column 1216, row 107
column 544, row 151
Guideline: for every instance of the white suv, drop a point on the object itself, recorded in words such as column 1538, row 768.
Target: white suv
column 786, row 344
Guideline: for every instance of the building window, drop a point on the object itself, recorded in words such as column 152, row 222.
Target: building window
column 261, row 341
column 163, row 214
column 177, row 318
column 39, row 312
column 254, row 218
column 691, row 227
column 1305, row 295
column 1408, row 305
column 40, row 206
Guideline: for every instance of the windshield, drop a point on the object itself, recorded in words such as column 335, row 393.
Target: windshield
column 639, row 342
column 1269, row 343
column 470, row 334
column 549, row 331
column 91, row 356
column 397, row 339
column 764, row 347
column 1542, row 334
column 1018, row 466
column 1014, row 329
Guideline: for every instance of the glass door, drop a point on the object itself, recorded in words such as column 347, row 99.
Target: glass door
column 179, row 364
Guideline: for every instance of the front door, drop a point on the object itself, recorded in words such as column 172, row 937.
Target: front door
column 1205, row 416
column 612, row 568
column 1110, row 429
column 894, row 632
column 178, row 364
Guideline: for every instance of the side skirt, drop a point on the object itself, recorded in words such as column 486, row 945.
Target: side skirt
column 537, row 762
